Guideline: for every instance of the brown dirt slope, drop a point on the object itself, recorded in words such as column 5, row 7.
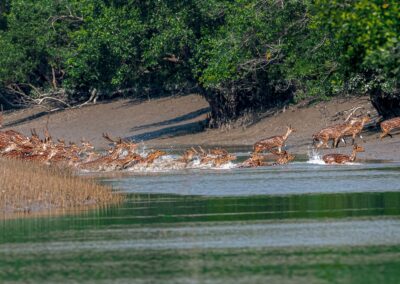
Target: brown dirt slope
column 179, row 122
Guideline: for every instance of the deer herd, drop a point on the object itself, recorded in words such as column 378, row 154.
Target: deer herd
column 124, row 154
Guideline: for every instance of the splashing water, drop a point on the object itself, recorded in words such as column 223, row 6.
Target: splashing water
column 314, row 157
column 169, row 163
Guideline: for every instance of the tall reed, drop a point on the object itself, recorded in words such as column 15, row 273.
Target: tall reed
column 30, row 187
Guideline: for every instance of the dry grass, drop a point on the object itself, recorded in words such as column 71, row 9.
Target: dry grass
column 29, row 187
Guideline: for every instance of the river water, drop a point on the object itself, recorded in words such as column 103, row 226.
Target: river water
column 300, row 223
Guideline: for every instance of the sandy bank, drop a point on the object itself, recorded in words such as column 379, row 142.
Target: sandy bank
column 179, row 122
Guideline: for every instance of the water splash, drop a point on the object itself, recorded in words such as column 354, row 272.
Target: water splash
column 314, row 157
column 170, row 163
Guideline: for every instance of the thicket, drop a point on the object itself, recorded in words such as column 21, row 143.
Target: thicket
column 241, row 55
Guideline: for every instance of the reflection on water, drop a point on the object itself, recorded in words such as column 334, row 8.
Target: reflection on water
column 297, row 224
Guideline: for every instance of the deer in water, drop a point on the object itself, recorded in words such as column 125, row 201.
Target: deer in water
column 127, row 145
column 154, row 155
column 255, row 160
column 102, row 163
column 341, row 158
column 215, row 157
column 389, row 125
column 273, row 142
column 283, row 158
column 188, row 156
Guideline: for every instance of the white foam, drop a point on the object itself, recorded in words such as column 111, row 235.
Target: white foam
column 314, row 157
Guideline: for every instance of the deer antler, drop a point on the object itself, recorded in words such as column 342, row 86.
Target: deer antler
column 34, row 133
column 352, row 111
column 118, row 140
column 202, row 150
column 47, row 135
column 108, row 138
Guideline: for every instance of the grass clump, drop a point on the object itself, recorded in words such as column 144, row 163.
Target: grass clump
column 28, row 187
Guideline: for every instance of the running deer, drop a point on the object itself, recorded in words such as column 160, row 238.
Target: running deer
column 152, row 156
column 188, row 156
column 103, row 163
column 255, row 160
column 341, row 158
column 389, row 125
column 215, row 157
column 283, row 158
column 357, row 127
column 273, row 142
column 126, row 144
column 334, row 132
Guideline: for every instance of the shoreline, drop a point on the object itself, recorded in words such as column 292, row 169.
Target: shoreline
column 179, row 122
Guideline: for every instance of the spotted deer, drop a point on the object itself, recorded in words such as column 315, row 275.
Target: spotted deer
column 389, row 125
column 283, row 158
column 188, row 156
column 356, row 129
column 334, row 132
column 215, row 157
column 255, row 160
column 273, row 142
column 103, row 162
column 152, row 156
column 341, row 158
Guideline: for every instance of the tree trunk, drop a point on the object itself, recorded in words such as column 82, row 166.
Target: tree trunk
column 387, row 105
column 230, row 104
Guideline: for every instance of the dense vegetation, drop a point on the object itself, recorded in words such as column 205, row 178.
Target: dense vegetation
column 242, row 55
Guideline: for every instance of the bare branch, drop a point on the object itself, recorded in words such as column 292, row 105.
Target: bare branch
column 41, row 100
column 352, row 111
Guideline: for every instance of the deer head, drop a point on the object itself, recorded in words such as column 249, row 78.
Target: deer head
column 86, row 145
column 47, row 136
column 366, row 119
column 288, row 131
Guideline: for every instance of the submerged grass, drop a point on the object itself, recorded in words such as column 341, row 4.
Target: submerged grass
column 27, row 187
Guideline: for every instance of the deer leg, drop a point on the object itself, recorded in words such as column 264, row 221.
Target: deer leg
column 383, row 134
column 390, row 135
column 315, row 145
column 335, row 143
column 338, row 141
column 353, row 139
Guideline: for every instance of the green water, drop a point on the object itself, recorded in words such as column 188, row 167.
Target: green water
column 323, row 225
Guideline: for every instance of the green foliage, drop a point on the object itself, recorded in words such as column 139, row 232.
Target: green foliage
column 245, row 54
column 367, row 35
column 104, row 53
column 34, row 45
